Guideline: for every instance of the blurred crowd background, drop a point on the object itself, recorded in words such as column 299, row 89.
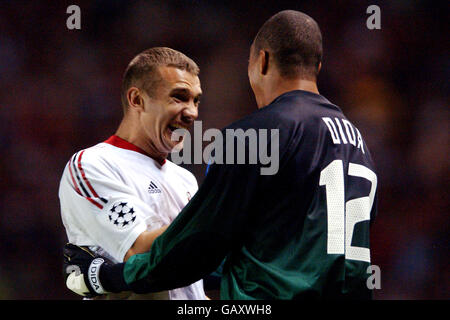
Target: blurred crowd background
column 60, row 92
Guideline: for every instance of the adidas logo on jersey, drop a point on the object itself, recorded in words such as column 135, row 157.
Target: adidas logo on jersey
column 152, row 188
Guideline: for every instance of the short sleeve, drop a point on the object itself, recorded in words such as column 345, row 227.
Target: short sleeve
column 98, row 209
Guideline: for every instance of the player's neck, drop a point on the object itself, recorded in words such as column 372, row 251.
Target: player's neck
column 284, row 86
column 129, row 131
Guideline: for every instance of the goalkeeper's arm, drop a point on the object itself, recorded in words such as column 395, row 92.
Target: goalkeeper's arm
column 214, row 223
column 82, row 267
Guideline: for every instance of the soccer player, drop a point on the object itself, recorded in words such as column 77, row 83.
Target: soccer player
column 300, row 233
column 118, row 195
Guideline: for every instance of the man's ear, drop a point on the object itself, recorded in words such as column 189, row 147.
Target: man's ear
column 263, row 61
column 135, row 100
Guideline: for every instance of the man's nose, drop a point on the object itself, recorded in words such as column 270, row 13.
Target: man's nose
column 189, row 114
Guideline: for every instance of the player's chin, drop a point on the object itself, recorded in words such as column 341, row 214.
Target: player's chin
column 173, row 142
column 178, row 146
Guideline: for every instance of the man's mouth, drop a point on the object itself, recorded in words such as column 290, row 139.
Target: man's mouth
column 175, row 126
column 179, row 135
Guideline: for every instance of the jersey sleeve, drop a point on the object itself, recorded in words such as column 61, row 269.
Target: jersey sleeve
column 98, row 209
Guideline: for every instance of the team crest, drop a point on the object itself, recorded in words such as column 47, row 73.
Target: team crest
column 122, row 214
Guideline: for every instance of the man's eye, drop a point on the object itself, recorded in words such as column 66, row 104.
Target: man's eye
column 179, row 98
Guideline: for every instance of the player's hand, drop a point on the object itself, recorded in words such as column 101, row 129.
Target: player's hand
column 82, row 271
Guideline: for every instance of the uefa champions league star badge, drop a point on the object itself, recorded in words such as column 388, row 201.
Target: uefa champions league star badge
column 121, row 214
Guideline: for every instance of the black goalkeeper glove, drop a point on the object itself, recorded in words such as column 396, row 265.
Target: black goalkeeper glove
column 81, row 269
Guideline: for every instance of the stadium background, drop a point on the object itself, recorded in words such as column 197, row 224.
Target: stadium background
column 59, row 92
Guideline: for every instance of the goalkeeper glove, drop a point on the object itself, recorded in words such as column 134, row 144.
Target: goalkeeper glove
column 82, row 271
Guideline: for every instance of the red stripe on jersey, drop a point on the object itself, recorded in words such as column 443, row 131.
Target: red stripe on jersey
column 95, row 203
column 79, row 192
column 124, row 144
column 84, row 176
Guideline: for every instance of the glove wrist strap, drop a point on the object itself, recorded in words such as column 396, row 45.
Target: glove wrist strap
column 94, row 276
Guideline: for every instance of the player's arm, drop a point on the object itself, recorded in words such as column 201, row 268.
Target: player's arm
column 75, row 274
column 144, row 242
column 195, row 243
column 216, row 221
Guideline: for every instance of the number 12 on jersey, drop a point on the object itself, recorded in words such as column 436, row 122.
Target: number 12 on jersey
column 342, row 216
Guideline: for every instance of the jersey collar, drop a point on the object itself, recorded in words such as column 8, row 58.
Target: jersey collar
column 124, row 144
column 301, row 92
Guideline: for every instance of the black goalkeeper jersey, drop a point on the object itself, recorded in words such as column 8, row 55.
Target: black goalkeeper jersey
column 300, row 233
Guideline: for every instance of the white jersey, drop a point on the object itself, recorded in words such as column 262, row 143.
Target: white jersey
column 110, row 193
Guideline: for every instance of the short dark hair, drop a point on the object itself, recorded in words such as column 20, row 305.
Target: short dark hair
column 142, row 71
column 295, row 41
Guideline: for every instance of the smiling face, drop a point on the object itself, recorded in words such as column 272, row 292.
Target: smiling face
column 173, row 105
